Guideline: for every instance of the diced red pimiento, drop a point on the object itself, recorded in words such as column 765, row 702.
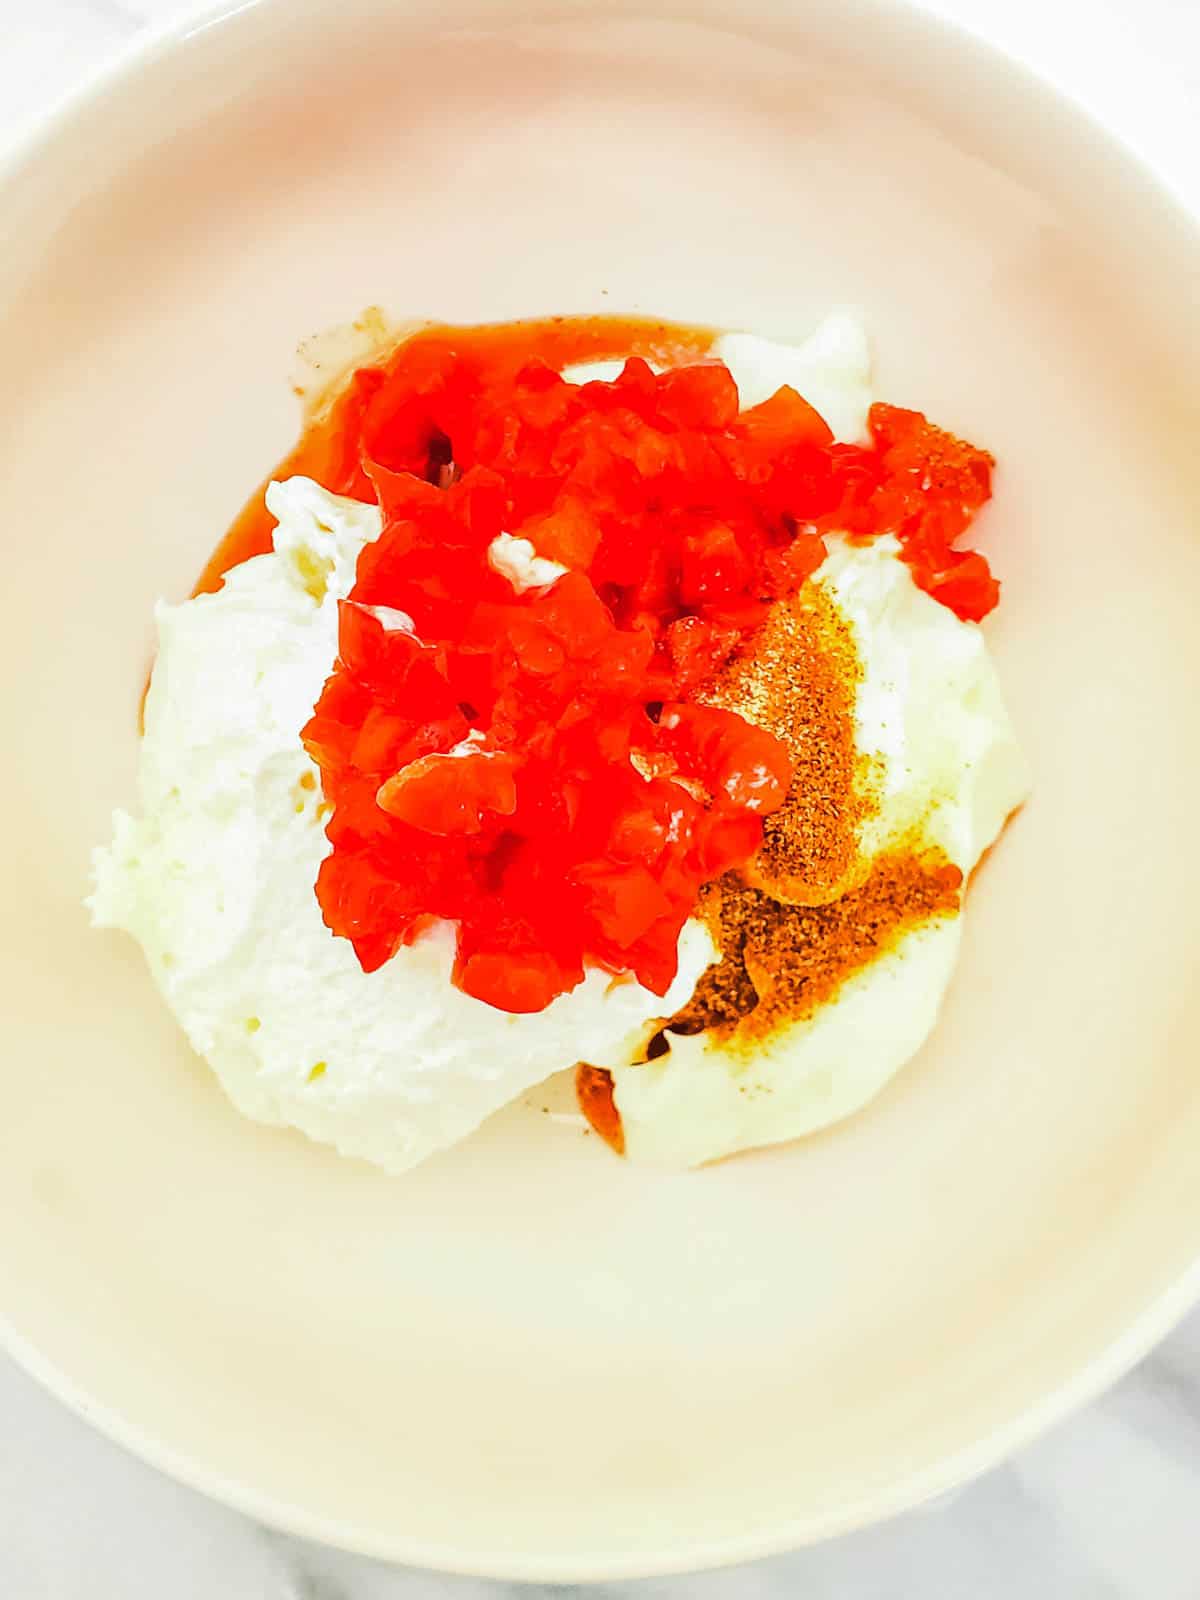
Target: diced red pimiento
column 926, row 487
column 534, row 766
column 454, row 793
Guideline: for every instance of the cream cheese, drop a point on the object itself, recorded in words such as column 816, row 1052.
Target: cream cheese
column 215, row 881
column 216, row 878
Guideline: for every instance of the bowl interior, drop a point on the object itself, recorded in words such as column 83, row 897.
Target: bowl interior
column 526, row 1358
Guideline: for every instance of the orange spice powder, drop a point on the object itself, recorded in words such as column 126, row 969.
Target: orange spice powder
column 779, row 962
column 810, row 910
column 797, row 678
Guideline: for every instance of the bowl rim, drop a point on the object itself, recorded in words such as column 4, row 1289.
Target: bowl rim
column 138, row 54
column 909, row 1493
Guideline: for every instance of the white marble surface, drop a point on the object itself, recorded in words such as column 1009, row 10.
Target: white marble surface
column 1103, row 1509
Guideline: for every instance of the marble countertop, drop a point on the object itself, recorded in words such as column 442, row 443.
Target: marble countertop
column 1103, row 1509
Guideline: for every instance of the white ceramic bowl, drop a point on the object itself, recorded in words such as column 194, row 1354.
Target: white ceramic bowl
column 525, row 1358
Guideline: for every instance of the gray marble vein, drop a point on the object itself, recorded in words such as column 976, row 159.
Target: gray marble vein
column 1107, row 1507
